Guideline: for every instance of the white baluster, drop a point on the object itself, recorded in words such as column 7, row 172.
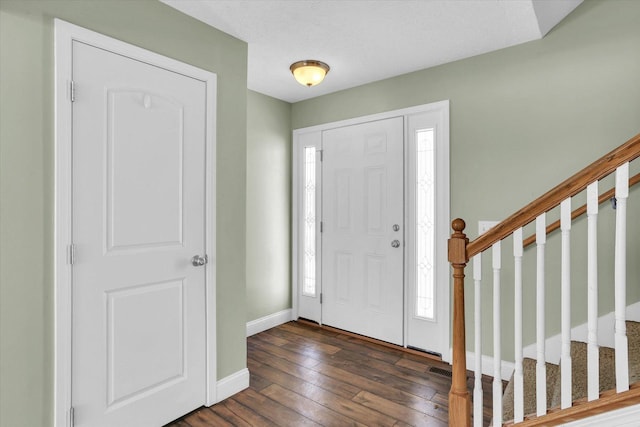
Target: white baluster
column 541, row 370
column 497, row 356
column 593, row 355
column 518, row 379
column 477, row 388
column 565, row 283
column 622, row 363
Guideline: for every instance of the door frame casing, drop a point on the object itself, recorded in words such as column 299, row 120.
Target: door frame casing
column 64, row 36
column 442, row 209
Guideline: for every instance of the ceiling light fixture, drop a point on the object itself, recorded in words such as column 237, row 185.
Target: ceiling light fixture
column 309, row 72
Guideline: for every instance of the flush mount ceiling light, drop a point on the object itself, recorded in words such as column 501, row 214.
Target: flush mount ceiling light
column 309, row 72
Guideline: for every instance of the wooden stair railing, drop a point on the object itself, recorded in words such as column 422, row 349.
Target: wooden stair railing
column 461, row 250
column 582, row 210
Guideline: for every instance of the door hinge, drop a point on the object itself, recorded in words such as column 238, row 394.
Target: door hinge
column 72, row 416
column 321, row 154
column 72, row 91
column 71, row 254
column 321, row 226
column 320, row 297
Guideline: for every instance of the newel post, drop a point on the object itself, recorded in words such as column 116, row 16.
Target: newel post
column 459, row 398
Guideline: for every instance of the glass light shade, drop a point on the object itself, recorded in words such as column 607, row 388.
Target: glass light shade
column 310, row 72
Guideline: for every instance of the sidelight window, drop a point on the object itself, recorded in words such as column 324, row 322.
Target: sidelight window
column 309, row 222
column 425, row 223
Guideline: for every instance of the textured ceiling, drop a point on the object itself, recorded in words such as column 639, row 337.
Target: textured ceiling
column 369, row 40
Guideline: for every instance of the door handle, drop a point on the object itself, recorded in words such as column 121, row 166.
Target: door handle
column 199, row 261
column 395, row 244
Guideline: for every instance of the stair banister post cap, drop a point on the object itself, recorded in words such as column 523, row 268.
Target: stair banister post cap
column 458, row 225
column 458, row 244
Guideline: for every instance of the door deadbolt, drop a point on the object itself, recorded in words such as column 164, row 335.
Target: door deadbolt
column 396, row 227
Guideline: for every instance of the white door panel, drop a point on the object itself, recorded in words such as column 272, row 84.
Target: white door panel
column 138, row 204
column 362, row 200
column 144, row 136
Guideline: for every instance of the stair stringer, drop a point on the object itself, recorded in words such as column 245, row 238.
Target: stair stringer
column 625, row 417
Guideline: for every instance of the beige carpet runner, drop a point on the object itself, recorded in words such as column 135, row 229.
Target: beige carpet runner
column 578, row 374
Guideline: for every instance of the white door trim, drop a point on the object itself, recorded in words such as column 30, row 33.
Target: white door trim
column 443, row 210
column 64, row 35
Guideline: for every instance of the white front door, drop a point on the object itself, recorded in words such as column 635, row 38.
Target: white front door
column 362, row 237
column 138, row 352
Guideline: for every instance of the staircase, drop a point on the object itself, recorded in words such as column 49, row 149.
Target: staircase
column 579, row 375
column 587, row 379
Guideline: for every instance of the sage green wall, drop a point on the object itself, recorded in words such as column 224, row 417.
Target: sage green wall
column 268, row 205
column 522, row 120
column 26, row 180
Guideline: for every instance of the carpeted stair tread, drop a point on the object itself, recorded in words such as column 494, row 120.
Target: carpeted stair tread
column 607, row 363
column 579, row 377
column 529, row 384
column 633, row 339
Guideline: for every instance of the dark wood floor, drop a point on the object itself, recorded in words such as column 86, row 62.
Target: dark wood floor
column 302, row 375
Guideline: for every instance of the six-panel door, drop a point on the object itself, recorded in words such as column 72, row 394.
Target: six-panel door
column 362, row 239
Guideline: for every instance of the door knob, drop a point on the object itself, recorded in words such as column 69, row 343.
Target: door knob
column 198, row 261
column 395, row 244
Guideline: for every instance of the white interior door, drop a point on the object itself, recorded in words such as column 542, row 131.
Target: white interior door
column 362, row 238
column 138, row 353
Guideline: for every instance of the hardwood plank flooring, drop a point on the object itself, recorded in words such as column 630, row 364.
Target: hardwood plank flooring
column 303, row 375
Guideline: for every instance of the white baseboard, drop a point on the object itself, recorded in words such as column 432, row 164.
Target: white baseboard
column 268, row 322
column 579, row 333
column 239, row 381
column 487, row 366
column 234, row 383
column 625, row 417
